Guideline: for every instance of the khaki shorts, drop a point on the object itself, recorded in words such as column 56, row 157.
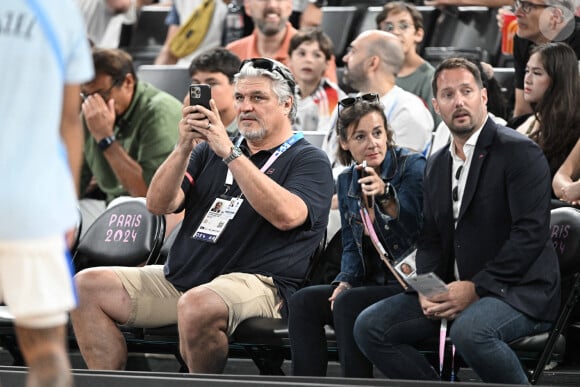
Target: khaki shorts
column 154, row 299
column 36, row 281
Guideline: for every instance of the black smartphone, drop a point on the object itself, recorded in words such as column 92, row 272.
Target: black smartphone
column 370, row 199
column 199, row 94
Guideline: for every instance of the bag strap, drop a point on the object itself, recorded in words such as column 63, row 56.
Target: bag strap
column 193, row 31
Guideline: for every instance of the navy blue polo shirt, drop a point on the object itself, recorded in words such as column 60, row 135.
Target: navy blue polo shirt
column 250, row 244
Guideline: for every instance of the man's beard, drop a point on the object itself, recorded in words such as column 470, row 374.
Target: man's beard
column 270, row 30
column 353, row 78
column 462, row 132
column 253, row 135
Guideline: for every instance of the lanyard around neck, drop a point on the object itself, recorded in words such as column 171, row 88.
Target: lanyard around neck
column 368, row 223
column 277, row 153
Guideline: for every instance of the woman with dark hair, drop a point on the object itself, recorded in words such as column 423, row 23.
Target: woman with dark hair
column 380, row 194
column 552, row 88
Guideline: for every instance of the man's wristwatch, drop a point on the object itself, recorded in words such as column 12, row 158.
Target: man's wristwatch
column 387, row 194
column 236, row 152
column 106, row 142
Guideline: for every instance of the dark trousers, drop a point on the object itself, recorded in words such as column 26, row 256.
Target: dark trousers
column 387, row 331
column 310, row 312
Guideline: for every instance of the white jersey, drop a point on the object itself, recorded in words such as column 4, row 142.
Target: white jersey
column 42, row 49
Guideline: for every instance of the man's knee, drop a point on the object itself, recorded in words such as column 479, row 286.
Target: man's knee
column 92, row 280
column 201, row 307
column 465, row 330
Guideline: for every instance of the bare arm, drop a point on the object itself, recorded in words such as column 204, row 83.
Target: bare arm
column 566, row 184
column 165, row 194
column 71, row 130
column 100, row 119
column 276, row 204
column 165, row 56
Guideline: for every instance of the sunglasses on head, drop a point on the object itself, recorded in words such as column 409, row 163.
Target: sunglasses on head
column 271, row 66
column 349, row 101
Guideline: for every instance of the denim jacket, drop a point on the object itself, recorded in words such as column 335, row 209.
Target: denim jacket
column 403, row 169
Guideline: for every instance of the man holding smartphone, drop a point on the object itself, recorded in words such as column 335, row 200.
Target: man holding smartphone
column 224, row 267
column 486, row 233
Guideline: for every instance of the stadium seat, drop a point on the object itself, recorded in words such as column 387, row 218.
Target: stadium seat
column 174, row 79
column 147, row 35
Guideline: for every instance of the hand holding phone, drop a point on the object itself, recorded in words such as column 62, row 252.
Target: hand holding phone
column 364, row 173
column 428, row 284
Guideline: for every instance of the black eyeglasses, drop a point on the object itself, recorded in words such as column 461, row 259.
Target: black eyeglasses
column 349, row 101
column 527, row 6
column 455, row 192
column 271, row 66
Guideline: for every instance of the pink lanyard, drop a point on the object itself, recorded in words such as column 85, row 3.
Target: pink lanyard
column 442, row 337
column 368, row 224
column 364, row 213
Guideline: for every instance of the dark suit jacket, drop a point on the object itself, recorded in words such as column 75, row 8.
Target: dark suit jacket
column 502, row 240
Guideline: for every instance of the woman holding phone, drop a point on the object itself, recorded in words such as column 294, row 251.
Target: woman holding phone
column 380, row 195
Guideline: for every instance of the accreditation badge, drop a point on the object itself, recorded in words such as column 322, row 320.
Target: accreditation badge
column 222, row 210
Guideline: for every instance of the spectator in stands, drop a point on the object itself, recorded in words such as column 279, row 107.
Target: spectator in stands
column 181, row 12
column 371, row 65
column 41, row 142
column 272, row 33
column 217, row 67
column 496, row 108
column 392, row 180
column 483, row 3
column 310, row 12
column 279, row 187
column 566, row 183
column 405, row 22
column 541, row 21
column 104, row 20
column 552, row 88
column 310, row 55
column 130, row 128
column 486, row 233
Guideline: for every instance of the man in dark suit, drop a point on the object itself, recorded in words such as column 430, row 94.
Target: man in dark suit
column 486, row 234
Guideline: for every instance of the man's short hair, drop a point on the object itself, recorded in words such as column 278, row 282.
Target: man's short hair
column 312, row 34
column 114, row 62
column 216, row 60
column 399, row 7
column 456, row 63
column 283, row 82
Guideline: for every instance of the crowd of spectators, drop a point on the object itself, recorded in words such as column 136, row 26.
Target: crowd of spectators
column 399, row 176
